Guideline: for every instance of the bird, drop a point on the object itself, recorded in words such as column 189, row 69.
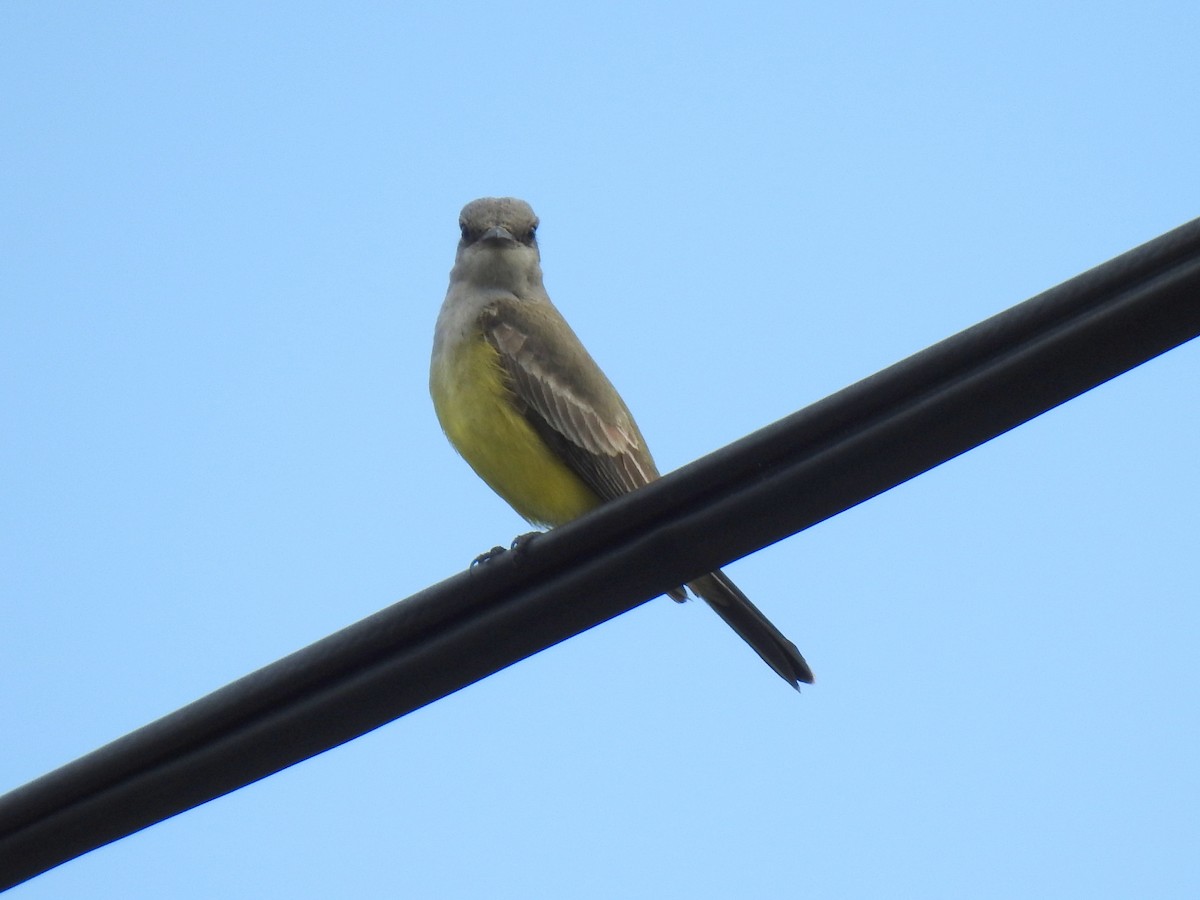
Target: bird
column 524, row 403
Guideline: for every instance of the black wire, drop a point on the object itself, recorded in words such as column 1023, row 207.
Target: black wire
column 767, row 486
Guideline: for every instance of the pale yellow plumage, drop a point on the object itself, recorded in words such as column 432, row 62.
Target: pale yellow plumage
column 475, row 408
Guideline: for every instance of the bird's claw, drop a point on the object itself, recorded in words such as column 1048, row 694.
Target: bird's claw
column 519, row 543
column 488, row 556
column 522, row 541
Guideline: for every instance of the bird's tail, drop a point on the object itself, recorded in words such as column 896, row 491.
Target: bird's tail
column 753, row 627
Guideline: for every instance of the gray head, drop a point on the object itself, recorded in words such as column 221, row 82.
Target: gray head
column 498, row 219
column 498, row 247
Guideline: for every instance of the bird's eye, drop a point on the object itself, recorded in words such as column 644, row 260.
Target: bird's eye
column 467, row 234
column 531, row 235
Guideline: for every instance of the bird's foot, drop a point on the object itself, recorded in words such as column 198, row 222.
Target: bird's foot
column 489, row 556
column 519, row 543
column 522, row 541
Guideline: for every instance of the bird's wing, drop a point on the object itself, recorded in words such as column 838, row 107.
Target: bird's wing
column 582, row 419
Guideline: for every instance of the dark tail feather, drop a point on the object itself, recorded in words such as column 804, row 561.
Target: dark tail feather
column 753, row 627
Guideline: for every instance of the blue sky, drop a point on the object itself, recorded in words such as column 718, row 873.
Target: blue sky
column 226, row 233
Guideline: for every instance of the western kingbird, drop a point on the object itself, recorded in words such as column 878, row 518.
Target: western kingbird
column 528, row 408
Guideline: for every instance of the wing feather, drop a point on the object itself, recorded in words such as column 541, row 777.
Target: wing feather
column 567, row 398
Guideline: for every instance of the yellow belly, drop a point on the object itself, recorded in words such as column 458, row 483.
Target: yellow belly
column 474, row 406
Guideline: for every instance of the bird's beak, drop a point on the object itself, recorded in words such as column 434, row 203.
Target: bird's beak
column 498, row 234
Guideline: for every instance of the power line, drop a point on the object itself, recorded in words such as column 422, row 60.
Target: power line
column 815, row 463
